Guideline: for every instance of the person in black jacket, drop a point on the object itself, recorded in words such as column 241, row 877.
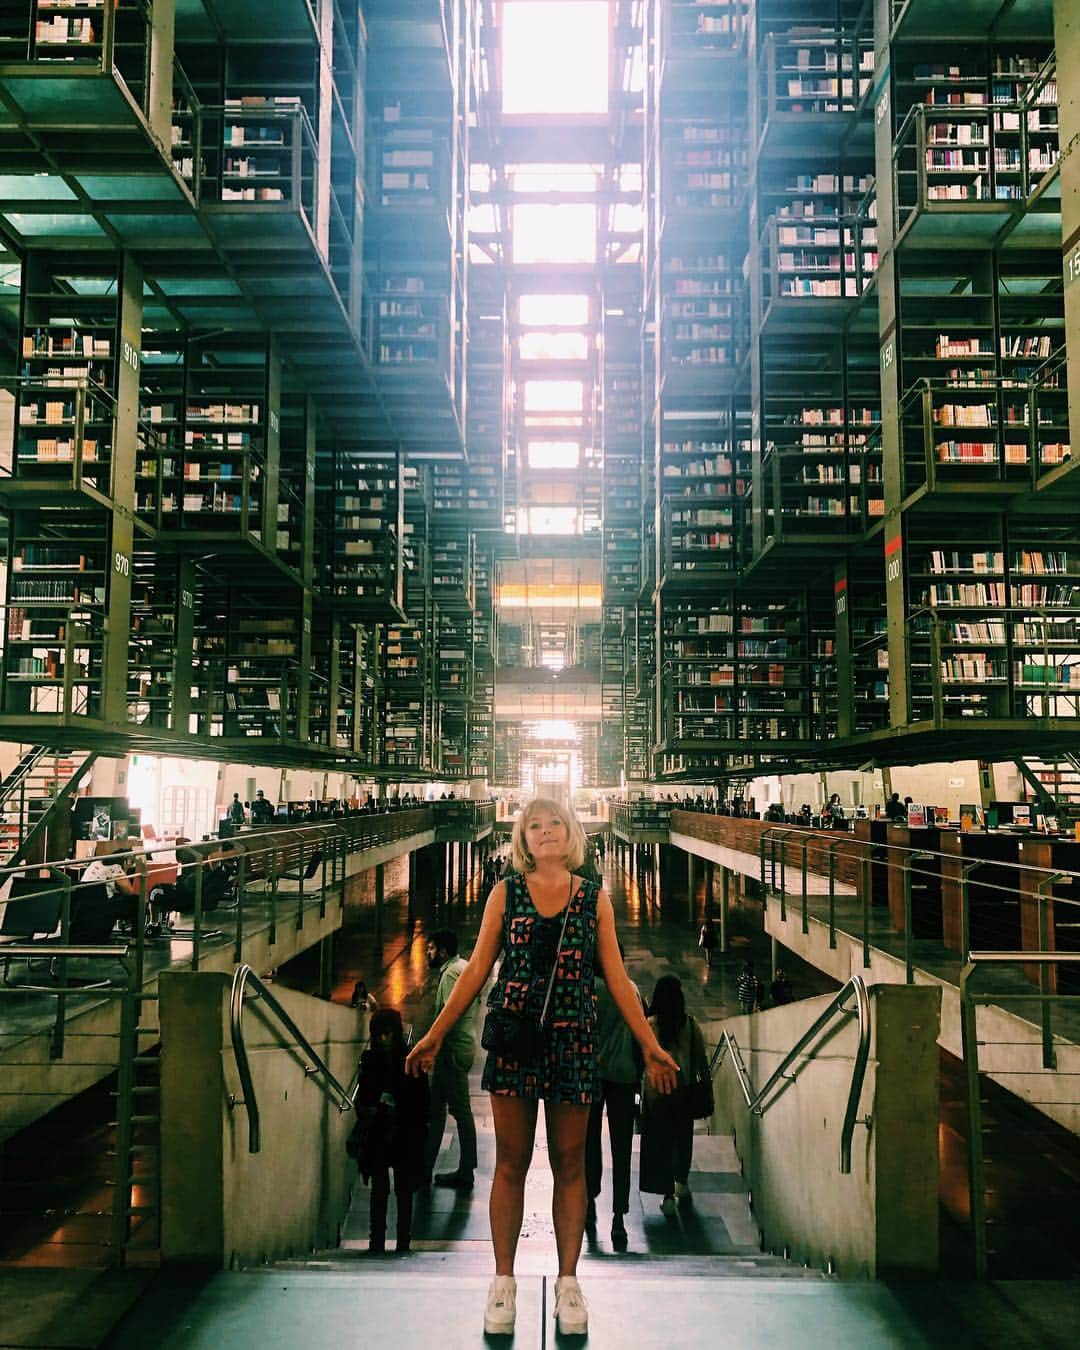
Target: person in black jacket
column 391, row 1125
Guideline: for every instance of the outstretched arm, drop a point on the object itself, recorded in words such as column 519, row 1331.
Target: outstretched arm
column 469, row 983
column 661, row 1068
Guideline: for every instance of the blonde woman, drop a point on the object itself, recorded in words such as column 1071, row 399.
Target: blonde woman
column 553, row 929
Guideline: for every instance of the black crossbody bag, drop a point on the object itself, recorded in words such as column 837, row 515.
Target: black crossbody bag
column 516, row 1035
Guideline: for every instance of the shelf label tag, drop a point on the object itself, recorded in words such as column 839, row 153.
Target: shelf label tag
column 1072, row 265
column 121, row 564
column 892, row 558
column 888, row 355
column 881, row 107
column 130, row 355
column 275, row 422
column 187, row 600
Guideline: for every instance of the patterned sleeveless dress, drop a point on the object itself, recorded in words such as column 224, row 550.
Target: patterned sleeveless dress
column 566, row 1070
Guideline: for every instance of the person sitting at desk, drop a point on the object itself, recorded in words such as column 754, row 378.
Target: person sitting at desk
column 115, row 892
column 895, row 810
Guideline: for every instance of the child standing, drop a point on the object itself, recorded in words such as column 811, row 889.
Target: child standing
column 391, row 1125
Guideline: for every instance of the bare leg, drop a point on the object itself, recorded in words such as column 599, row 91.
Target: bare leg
column 515, row 1128
column 566, row 1129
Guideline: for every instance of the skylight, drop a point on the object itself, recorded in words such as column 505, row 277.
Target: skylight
column 554, row 454
column 555, row 57
column 555, row 234
column 544, row 311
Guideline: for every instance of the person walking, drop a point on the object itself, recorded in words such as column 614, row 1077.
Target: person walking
column 362, row 999
column 780, row 990
column 450, row 1074
column 391, row 1124
column 553, row 929
column 619, row 1066
column 262, row 811
column 707, row 940
column 236, row 810
column 748, row 989
column 667, row 1122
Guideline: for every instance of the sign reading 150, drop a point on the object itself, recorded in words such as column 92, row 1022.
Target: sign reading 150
column 1072, row 266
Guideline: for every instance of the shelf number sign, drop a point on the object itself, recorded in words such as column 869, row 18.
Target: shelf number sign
column 121, row 564
column 881, row 108
column 187, row 600
column 130, row 354
column 1072, row 265
column 888, row 355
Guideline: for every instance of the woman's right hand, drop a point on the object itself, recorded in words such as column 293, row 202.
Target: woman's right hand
column 661, row 1069
column 421, row 1058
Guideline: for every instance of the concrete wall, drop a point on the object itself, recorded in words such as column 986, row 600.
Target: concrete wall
column 880, row 1221
column 222, row 1204
column 1010, row 1038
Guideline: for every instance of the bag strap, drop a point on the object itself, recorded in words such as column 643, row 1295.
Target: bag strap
column 558, row 952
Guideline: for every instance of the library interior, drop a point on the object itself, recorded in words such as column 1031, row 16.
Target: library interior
column 660, row 407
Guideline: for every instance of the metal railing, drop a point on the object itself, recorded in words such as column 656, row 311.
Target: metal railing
column 272, row 875
column 1047, row 997
column 958, row 884
column 65, row 423
column 757, row 1103
column 974, row 158
column 242, row 977
column 985, row 429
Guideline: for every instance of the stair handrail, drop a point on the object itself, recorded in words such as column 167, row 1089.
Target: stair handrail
column 21, row 771
column 64, row 793
column 758, row 1103
column 242, row 977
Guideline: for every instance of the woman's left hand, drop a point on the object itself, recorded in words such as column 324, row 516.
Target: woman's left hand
column 661, row 1070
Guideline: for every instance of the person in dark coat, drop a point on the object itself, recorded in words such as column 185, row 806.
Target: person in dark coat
column 391, row 1125
column 667, row 1125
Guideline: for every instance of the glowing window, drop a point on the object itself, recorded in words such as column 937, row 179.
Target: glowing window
column 552, row 729
column 542, row 311
column 554, row 178
column 483, row 219
column 554, row 395
column 554, row 347
column 629, row 177
column 626, row 218
column 555, row 56
column 554, row 454
column 555, row 234
column 548, row 520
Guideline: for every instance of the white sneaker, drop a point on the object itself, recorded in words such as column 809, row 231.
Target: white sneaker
column 667, row 1207
column 682, row 1190
column 570, row 1309
column 501, row 1306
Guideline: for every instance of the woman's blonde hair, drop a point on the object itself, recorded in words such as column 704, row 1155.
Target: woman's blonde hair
column 523, row 860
